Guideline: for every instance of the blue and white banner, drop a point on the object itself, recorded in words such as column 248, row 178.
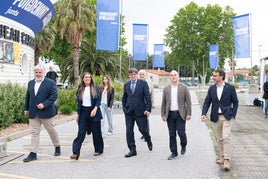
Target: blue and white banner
column 34, row 14
column 108, row 25
column 158, row 56
column 140, row 36
column 241, row 36
column 213, row 56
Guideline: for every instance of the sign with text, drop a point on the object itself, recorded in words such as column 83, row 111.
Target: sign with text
column 108, row 25
column 158, row 55
column 241, row 36
column 140, row 36
column 34, row 14
column 213, row 56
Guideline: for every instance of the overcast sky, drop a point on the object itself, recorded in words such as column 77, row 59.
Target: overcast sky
column 158, row 14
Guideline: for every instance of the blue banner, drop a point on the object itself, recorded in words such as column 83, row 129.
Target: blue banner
column 158, row 56
column 108, row 25
column 140, row 36
column 213, row 56
column 34, row 14
column 241, row 36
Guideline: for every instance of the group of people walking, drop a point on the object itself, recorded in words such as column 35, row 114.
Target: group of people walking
column 94, row 103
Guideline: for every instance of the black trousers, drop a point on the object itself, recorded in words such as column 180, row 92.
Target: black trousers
column 175, row 124
column 142, row 123
column 85, row 122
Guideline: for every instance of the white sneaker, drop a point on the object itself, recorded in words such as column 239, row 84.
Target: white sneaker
column 109, row 133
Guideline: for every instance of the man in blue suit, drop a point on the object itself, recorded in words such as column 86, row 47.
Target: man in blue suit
column 224, row 102
column 40, row 108
column 137, row 105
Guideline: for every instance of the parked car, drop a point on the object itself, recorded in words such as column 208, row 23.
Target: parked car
column 62, row 85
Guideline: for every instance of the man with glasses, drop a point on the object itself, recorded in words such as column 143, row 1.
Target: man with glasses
column 137, row 105
column 223, row 98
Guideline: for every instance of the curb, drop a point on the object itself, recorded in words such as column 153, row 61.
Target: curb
column 19, row 134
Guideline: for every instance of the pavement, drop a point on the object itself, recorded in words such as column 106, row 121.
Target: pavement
column 249, row 153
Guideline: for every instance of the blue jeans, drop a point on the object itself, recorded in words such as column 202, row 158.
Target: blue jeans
column 109, row 116
column 266, row 107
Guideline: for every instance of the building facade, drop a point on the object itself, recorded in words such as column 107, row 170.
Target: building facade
column 20, row 22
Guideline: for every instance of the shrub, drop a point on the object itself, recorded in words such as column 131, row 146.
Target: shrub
column 67, row 97
column 66, row 109
column 118, row 91
column 12, row 99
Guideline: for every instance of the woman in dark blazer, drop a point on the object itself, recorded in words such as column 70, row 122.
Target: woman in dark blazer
column 89, row 116
column 107, row 101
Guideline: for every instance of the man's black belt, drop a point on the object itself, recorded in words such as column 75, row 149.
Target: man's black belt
column 174, row 111
column 220, row 114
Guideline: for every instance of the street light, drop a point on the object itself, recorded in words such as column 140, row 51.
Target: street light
column 204, row 79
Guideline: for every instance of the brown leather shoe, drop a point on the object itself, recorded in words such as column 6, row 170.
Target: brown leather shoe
column 226, row 164
column 220, row 161
column 74, row 156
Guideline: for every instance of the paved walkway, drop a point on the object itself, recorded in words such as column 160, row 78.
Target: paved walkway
column 198, row 162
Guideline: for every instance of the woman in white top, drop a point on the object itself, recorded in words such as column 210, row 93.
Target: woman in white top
column 89, row 116
column 107, row 100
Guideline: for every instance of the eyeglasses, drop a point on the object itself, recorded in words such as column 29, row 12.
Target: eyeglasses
column 215, row 75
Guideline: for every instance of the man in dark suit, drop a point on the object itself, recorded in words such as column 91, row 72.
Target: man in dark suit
column 40, row 108
column 136, row 103
column 224, row 101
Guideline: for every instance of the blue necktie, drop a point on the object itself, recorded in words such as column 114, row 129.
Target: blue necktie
column 132, row 87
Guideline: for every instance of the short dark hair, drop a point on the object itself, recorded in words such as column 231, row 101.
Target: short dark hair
column 133, row 70
column 221, row 73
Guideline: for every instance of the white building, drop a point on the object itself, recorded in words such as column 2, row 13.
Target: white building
column 20, row 22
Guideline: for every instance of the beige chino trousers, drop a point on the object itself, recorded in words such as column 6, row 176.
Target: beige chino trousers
column 35, row 129
column 223, row 130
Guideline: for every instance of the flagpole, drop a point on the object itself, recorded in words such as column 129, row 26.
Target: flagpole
column 120, row 46
column 251, row 76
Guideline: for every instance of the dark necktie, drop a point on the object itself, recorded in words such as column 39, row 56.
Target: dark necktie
column 132, row 87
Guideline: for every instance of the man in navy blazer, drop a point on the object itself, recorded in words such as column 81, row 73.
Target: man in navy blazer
column 40, row 108
column 223, row 98
column 137, row 105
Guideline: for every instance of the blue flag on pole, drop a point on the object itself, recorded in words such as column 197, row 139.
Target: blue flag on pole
column 140, row 36
column 213, row 56
column 108, row 25
column 241, row 36
column 158, row 55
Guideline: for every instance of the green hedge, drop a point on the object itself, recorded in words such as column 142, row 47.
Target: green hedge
column 12, row 98
column 66, row 100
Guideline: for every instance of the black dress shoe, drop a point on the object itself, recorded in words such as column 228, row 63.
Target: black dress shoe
column 57, row 151
column 172, row 156
column 183, row 150
column 89, row 131
column 131, row 154
column 150, row 145
column 31, row 157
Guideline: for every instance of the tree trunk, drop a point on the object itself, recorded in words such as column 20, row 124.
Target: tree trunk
column 36, row 56
column 76, row 63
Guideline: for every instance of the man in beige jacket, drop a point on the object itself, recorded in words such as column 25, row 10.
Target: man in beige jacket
column 175, row 110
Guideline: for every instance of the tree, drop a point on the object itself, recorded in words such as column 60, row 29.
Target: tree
column 44, row 41
column 191, row 32
column 72, row 19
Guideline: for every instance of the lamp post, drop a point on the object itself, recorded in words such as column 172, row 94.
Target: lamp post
column 204, row 79
column 262, row 69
